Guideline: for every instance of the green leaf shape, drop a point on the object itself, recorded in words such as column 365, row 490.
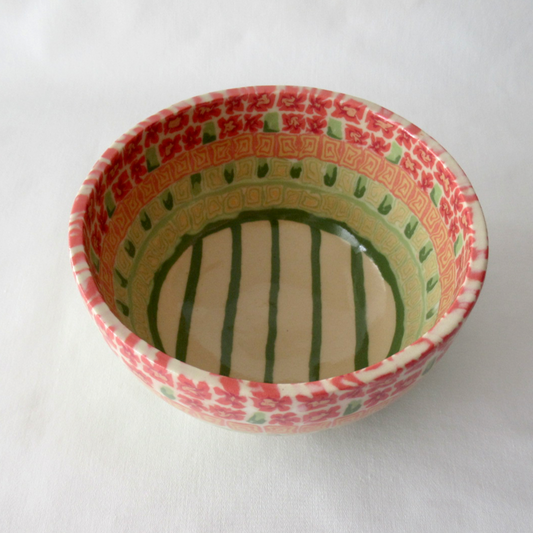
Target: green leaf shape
column 196, row 183
column 334, row 129
column 146, row 223
column 152, row 161
column 121, row 279
column 386, row 205
column 331, row 175
column 411, row 227
column 435, row 195
column 168, row 392
column 424, row 252
column 229, row 173
column 262, row 168
column 109, row 204
column 209, row 134
column 271, row 123
column 123, row 308
column 296, row 170
column 168, row 201
column 130, row 248
column 360, row 187
column 257, row 418
column 352, row 407
column 395, row 153
column 432, row 282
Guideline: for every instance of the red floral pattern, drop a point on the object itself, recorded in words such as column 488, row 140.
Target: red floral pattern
column 206, row 111
column 424, row 155
column 316, row 124
column 350, row 110
column 168, row 148
column 301, row 111
column 411, row 165
column 290, row 100
column 320, row 416
column 175, row 123
column 379, row 124
column 285, row 419
column 318, row 400
column 122, row 186
column 252, row 123
column 191, row 137
column 229, row 127
column 355, row 135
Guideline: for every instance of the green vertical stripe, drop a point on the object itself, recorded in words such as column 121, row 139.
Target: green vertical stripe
column 361, row 330
column 316, row 338
column 188, row 301
column 231, row 303
column 273, row 304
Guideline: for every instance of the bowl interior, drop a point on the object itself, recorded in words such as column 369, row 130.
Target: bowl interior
column 277, row 235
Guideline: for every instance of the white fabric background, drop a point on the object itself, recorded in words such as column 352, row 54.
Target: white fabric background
column 84, row 446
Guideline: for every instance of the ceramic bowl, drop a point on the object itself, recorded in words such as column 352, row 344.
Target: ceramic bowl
column 278, row 259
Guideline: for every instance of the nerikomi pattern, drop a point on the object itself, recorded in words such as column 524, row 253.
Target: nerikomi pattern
column 249, row 150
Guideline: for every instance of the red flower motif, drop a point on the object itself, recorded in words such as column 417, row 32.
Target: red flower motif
column 377, row 123
column 316, row 124
column 101, row 219
column 157, row 372
column 404, row 384
column 191, row 137
column 152, row 134
column 169, row 148
column 445, row 210
column 113, row 171
column 453, row 230
column 293, row 123
column 426, row 182
column 96, row 241
column 350, row 110
column 457, row 202
column 384, row 381
column 229, row 398
column 122, row 186
column 224, row 412
column 404, row 139
column 318, row 104
column 229, row 127
column 191, row 403
column 356, row 392
column 268, row 405
column 410, row 165
column 290, row 100
column 131, row 358
column 187, row 386
column 252, row 123
column 320, row 416
column 379, row 146
column 138, row 169
column 132, row 149
column 466, row 220
column 175, row 123
column 318, row 400
column 206, row 111
column 262, row 101
column 416, row 365
column 355, row 135
column 424, row 155
column 235, row 103
column 99, row 191
column 285, row 419
column 444, row 178
column 377, row 397
column 141, row 375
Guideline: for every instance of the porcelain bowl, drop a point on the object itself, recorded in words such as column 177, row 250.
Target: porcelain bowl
column 278, row 259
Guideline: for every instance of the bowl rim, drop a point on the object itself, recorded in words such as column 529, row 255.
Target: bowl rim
column 444, row 328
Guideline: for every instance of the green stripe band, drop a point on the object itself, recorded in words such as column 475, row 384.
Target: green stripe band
column 188, row 301
column 231, row 303
column 273, row 304
column 316, row 339
column 361, row 330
